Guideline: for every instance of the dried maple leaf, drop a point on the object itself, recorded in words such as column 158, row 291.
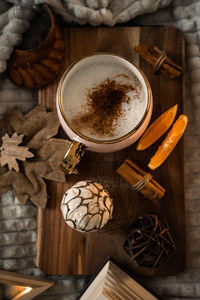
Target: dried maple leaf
column 10, row 151
column 38, row 128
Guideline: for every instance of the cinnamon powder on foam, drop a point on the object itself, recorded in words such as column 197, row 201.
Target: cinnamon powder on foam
column 104, row 107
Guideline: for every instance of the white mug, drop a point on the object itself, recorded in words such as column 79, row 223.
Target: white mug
column 80, row 140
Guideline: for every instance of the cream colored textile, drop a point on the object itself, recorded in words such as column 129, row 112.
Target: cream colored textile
column 15, row 16
column 18, row 222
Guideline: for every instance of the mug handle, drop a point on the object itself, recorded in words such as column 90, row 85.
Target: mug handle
column 72, row 157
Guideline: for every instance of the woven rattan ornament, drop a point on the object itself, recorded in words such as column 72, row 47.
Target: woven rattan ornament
column 87, row 206
column 149, row 241
column 29, row 154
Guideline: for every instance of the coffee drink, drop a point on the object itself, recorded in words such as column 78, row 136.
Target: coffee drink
column 103, row 98
column 104, row 104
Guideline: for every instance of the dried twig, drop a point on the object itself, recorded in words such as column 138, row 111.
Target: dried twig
column 149, row 241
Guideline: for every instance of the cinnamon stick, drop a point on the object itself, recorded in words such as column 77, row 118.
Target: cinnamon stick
column 154, row 55
column 133, row 174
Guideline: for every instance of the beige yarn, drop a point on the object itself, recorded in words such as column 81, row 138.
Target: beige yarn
column 16, row 14
column 13, row 22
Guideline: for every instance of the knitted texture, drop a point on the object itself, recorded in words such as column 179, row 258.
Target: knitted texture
column 14, row 20
column 16, row 219
column 16, row 14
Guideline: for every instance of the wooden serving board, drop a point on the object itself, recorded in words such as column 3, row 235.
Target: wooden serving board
column 61, row 250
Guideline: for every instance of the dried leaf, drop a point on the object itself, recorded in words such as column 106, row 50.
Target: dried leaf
column 38, row 128
column 50, row 158
column 11, row 151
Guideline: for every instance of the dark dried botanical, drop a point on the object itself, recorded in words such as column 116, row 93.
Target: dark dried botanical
column 149, row 241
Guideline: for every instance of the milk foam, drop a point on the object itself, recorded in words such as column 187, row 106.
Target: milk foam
column 91, row 72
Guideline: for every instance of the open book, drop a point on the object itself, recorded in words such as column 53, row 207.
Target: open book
column 111, row 283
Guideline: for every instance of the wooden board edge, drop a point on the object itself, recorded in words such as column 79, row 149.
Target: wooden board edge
column 41, row 216
column 40, row 235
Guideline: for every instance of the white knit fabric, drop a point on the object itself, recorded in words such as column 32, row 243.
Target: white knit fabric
column 97, row 12
column 18, row 223
column 16, row 14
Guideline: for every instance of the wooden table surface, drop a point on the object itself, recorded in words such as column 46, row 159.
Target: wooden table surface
column 61, row 250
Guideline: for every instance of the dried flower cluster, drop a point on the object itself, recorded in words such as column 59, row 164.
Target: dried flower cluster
column 149, row 241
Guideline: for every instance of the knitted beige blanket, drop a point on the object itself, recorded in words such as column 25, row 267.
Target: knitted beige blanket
column 18, row 222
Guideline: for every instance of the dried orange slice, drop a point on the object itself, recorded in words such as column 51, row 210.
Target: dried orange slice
column 157, row 128
column 169, row 142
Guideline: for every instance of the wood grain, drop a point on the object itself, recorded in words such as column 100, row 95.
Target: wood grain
column 37, row 284
column 60, row 250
